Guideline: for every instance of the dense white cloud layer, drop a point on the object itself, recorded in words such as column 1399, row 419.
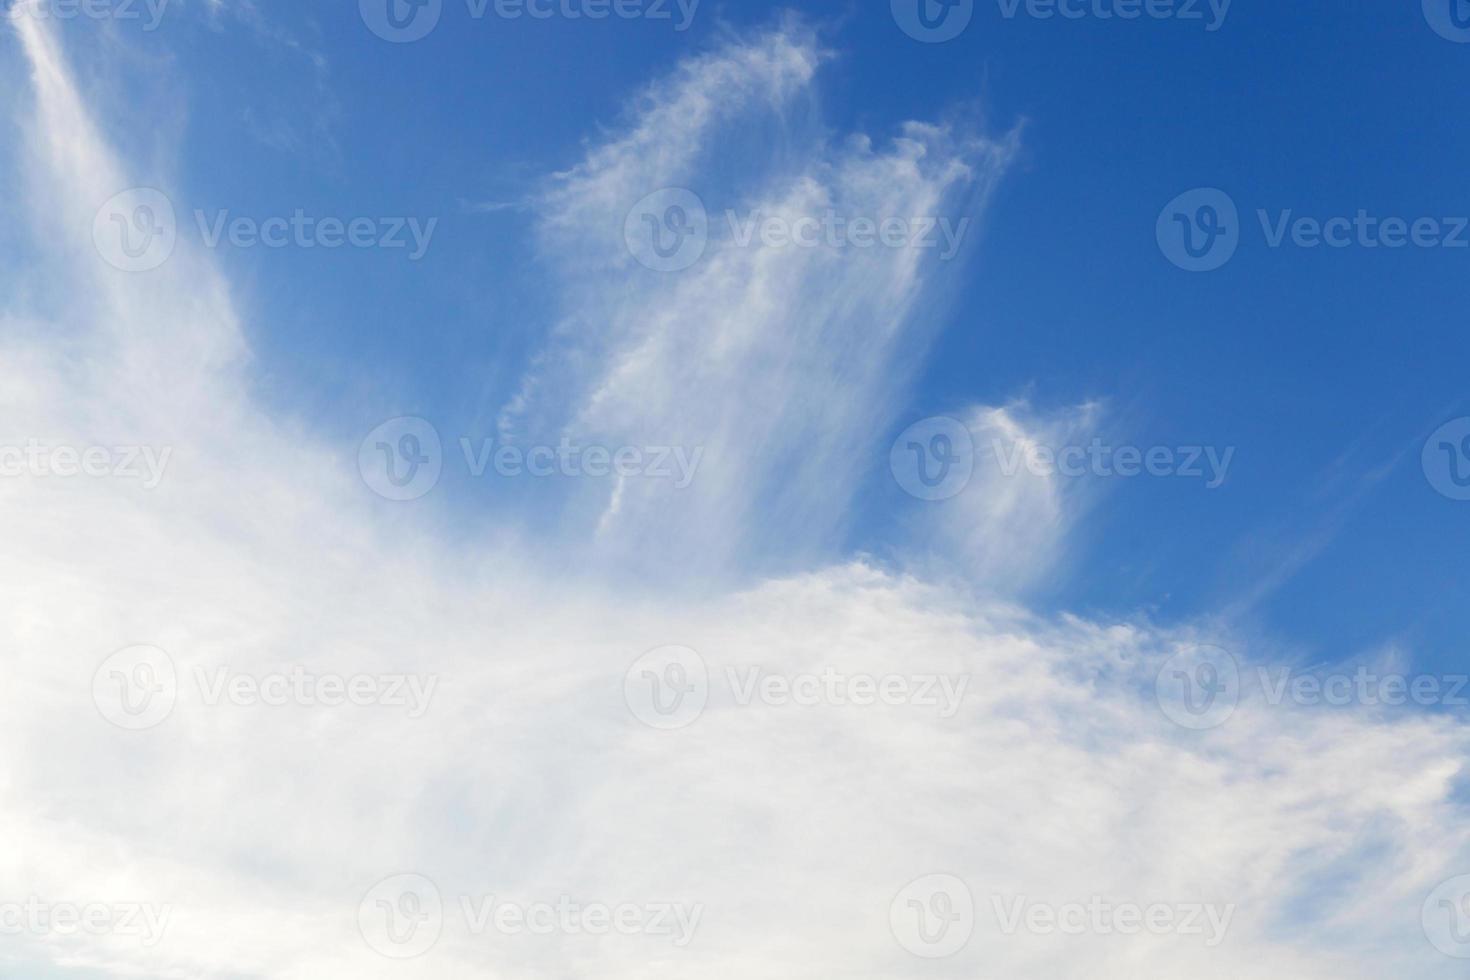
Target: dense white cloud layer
column 531, row 776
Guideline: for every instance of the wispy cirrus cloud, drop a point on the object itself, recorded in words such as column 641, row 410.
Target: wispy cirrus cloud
column 780, row 360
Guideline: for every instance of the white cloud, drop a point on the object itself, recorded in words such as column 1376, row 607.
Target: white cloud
column 1008, row 528
column 794, row 827
column 783, row 363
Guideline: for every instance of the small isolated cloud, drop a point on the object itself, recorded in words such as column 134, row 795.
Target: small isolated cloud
column 999, row 510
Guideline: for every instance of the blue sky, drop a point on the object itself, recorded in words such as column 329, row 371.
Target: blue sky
column 805, row 397
column 1326, row 368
